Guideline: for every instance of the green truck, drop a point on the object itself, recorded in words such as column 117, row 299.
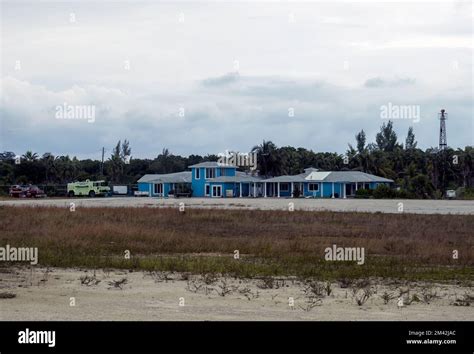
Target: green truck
column 89, row 188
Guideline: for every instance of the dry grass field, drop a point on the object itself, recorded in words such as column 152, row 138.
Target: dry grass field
column 270, row 243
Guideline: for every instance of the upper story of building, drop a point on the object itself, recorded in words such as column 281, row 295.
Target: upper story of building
column 204, row 171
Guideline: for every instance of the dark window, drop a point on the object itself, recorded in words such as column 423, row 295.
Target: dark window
column 158, row 188
column 210, row 172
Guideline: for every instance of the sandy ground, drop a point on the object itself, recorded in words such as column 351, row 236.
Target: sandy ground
column 46, row 295
column 364, row 205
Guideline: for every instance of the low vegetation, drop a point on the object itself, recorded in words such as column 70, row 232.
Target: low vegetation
column 270, row 243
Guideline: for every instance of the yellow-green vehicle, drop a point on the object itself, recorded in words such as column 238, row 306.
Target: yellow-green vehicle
column 89, row 188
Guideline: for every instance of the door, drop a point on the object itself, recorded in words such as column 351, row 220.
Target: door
column 216, row 191
column 349, row 189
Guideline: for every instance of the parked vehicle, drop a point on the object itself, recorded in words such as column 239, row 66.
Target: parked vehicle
column 120, row 190
column 18, row 191
column 89, row 188
column 26, row 191
column 35, row 192
column 451, row 194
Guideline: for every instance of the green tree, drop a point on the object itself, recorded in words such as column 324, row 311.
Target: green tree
column 386, row 139
column 410, row 142
column 30, row 156
column 267, row 158
column 361, row 140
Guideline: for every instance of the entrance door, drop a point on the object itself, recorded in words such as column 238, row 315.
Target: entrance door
column 349, row 189
column 217, row 191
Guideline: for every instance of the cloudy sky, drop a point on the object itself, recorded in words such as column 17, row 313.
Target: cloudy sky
column 202, row 77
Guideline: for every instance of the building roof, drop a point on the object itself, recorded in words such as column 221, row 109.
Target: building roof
column 296, row 178
column 330, row 176
column 310, row 174
column 354, row 176
column 316, row 175
column 178, row 177
column 212, row 164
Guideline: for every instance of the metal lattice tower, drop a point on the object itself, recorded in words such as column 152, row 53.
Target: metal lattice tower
column 443, row 142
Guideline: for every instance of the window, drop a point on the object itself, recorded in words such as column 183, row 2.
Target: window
column 158, row 188
column 198, row 173
column 210, row 172
column 223, row 172
column 313, row 187
column 284, row 187
column 207, row 191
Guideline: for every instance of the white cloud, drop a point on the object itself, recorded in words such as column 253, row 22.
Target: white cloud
column 317, row 64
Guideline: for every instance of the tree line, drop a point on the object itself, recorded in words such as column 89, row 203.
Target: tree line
column 421, row 174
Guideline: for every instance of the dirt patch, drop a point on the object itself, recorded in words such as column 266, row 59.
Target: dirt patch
column 48, row 294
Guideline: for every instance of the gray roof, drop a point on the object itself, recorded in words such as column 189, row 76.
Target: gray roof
column 211, row 164
column 297, row 178
column 354, row 176
column 316, row 176
column 330, row 176
column 178, row 177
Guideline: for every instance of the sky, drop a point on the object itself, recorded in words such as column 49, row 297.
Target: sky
column 203, row 77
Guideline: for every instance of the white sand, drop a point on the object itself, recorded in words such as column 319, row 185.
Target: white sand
column 46, row 296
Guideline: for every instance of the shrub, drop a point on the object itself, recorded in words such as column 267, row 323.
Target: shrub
column 363, row 193
column 404, row 194
column 465, row 193
column 383, row 191
column 422, row 187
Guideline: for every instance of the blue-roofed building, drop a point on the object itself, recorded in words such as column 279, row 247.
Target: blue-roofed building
column 218, row 180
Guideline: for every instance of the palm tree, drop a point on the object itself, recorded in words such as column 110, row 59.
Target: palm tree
column 30, row 156
column 267, row 158
column 48, row 161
